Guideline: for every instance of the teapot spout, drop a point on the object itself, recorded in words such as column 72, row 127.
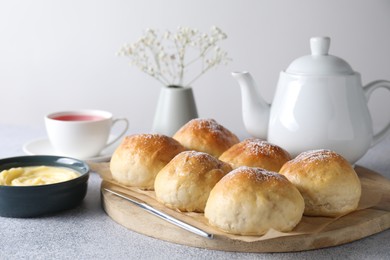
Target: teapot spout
column 255, row 110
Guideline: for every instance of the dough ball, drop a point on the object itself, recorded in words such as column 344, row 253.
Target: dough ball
column 327, row 182
column 186, row 181
column 250, row 201
column 205, row 135
column 140, row 157
column 254, row 152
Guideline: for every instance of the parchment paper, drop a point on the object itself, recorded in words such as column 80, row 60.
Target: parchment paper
column 371, row 198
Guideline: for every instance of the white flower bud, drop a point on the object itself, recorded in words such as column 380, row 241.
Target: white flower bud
column 168, row 56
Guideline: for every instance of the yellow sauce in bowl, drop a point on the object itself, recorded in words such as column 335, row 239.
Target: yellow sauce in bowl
column 36, row 175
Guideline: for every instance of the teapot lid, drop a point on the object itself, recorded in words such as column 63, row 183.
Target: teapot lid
column 319, row 62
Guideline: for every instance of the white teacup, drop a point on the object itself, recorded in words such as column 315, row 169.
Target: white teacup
column 81, row 133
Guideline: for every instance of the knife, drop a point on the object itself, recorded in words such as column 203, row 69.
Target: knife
column 161, row 214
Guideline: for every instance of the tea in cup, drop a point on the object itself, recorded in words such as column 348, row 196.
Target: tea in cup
column 82, row 133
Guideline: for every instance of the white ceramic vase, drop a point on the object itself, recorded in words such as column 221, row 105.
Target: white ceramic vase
column 176, row 106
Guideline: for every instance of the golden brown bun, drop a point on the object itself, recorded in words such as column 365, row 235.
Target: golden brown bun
column 185, row 182
column 254, row 152
column 250, row 201
column 140, row 157
column 205, row 135
column 327, row 182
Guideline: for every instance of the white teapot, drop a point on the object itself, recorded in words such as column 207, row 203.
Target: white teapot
column 319, row 103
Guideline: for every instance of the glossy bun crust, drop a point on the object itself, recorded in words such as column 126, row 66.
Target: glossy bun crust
column 205, row 135
column 186, row 181
column 254, row 152
column 327, row 182
column 250, row 201
column 140, row 157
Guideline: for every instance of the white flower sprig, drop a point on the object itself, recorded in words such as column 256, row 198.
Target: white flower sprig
column 168, row 56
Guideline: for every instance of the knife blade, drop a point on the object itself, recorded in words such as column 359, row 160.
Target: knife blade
column 161, row 214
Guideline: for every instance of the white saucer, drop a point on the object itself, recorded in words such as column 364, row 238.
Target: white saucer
column 44, row 147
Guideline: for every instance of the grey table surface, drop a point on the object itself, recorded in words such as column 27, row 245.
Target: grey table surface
column 86, row 232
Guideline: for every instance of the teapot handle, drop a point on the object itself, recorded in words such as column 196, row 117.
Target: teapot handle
column 368, row 90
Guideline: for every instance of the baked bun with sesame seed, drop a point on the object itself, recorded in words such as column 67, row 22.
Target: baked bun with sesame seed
column 250, row 201
column 254, row 152
column 205, row 135
column 186, row 181
column 327, row 182
column 139, row 158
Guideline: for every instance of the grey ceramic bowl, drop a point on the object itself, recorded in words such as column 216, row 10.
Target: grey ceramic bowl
column 33, row 201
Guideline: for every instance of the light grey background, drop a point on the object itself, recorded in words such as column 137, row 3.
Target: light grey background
column 57, row 54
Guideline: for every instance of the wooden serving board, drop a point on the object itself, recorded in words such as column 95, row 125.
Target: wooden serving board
column 311, row 233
